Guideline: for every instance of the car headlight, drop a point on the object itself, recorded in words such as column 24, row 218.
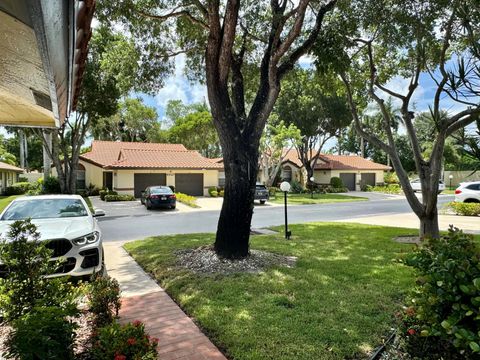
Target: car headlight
column 87, row 239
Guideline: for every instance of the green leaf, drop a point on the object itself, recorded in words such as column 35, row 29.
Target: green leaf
column 446, row 325
column 474, row 346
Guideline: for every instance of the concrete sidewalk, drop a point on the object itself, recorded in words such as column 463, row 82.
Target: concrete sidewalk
column 144, row 300
column 469, row 224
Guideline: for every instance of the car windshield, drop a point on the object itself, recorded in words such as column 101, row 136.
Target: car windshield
column 156, row 191
column 45, row 209
column 261, row 187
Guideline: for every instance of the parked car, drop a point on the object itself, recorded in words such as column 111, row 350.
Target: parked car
column 468, row 192
column 417, row 186
column 261, row 193
column 67, row 226
column 158, row 196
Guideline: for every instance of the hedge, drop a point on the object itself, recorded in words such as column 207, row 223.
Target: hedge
column 465, row 209
column 18, row 188
column 187, row 199
column 119, row 197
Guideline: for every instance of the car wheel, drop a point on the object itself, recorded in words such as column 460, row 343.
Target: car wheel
column 262, row 202
column 148, row 205
column 173, row 207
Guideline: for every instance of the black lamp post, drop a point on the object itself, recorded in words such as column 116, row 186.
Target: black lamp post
column 312, row 184
column 285, row 187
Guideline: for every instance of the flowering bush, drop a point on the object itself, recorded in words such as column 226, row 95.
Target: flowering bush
column 124, row 342
column 103, row 299
column 446, row 303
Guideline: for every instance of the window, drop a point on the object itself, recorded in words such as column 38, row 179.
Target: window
column 221, row 179
column 80, row 177
column 474, row 187
column 287, row 173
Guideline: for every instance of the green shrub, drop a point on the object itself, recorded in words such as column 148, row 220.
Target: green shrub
column 336, row 182
column 51, row 185
column 104, row 193
column 212, row 190
column 388, row 189
column 187, row 199
column 330, row 189
column 214, row 194
column 103, row 294
column 296, row 187
column 221, row 193
column 91, row 190
column 27, row 262
column 447, row 299
column 391, row 178
column 22, row 179
column 465, row 209
column 18, row 188
column 272, row 190
column 124, row 342
column 44, row 333
column 119, row 197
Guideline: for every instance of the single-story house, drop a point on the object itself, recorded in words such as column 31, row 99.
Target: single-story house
column 354, row 170
column 8, row 175
column 129, row 167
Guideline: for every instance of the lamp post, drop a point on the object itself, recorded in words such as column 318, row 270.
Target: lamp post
column 450, row 177
column 312, row 179
column 285, row 187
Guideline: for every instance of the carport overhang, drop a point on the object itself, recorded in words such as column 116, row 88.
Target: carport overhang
column 43, row 49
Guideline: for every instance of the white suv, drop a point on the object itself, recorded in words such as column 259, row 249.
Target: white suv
column 67, row 225
column 468, row 192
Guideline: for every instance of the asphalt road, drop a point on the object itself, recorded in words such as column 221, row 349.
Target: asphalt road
column 138, row 226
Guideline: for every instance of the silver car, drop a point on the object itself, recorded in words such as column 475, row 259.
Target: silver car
column 67, row 225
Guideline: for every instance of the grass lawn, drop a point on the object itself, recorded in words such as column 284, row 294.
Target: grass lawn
column 306, row 199
column 5, row 200
column 337, row 303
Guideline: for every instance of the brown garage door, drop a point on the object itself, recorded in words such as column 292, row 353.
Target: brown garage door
column 348, row 180
column 368, row 179
column 191, row 184
column 141, row 181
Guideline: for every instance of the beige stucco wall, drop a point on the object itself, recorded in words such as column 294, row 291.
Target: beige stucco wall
column 123, row 180
column 93, row 174
column 7, row 178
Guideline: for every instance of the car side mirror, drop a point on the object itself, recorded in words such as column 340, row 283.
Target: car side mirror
column 98, row 212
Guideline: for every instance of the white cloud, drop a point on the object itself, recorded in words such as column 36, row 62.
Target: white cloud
column 178, row 87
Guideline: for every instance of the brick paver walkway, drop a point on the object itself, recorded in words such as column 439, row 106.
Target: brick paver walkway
column 179, row 337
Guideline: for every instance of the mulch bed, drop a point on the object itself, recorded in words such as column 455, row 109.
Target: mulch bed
column 407, row 239
column 204, row 260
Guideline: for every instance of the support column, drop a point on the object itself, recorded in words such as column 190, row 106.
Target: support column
column 21, row 142
column 47, row 162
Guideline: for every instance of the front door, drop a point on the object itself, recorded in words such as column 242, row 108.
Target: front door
column 108, row 180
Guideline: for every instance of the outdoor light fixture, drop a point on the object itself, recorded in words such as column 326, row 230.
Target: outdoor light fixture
column 285, row 187
column 450, row 177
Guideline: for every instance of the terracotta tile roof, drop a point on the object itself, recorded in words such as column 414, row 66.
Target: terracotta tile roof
column 347, row 162
column 335, row 162
column 292, row 156
column 5, row 166
column 111, row 154
column 217, row 160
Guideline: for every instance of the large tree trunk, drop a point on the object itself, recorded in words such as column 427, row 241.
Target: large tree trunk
column 233, row 232
column 429, row 225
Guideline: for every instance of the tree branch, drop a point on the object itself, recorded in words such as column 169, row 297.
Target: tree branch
column 173, row 14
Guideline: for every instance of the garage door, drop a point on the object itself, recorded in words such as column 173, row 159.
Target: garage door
column 368, row 179
column 191, row 184
column 348, row 180
column 141, row 181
